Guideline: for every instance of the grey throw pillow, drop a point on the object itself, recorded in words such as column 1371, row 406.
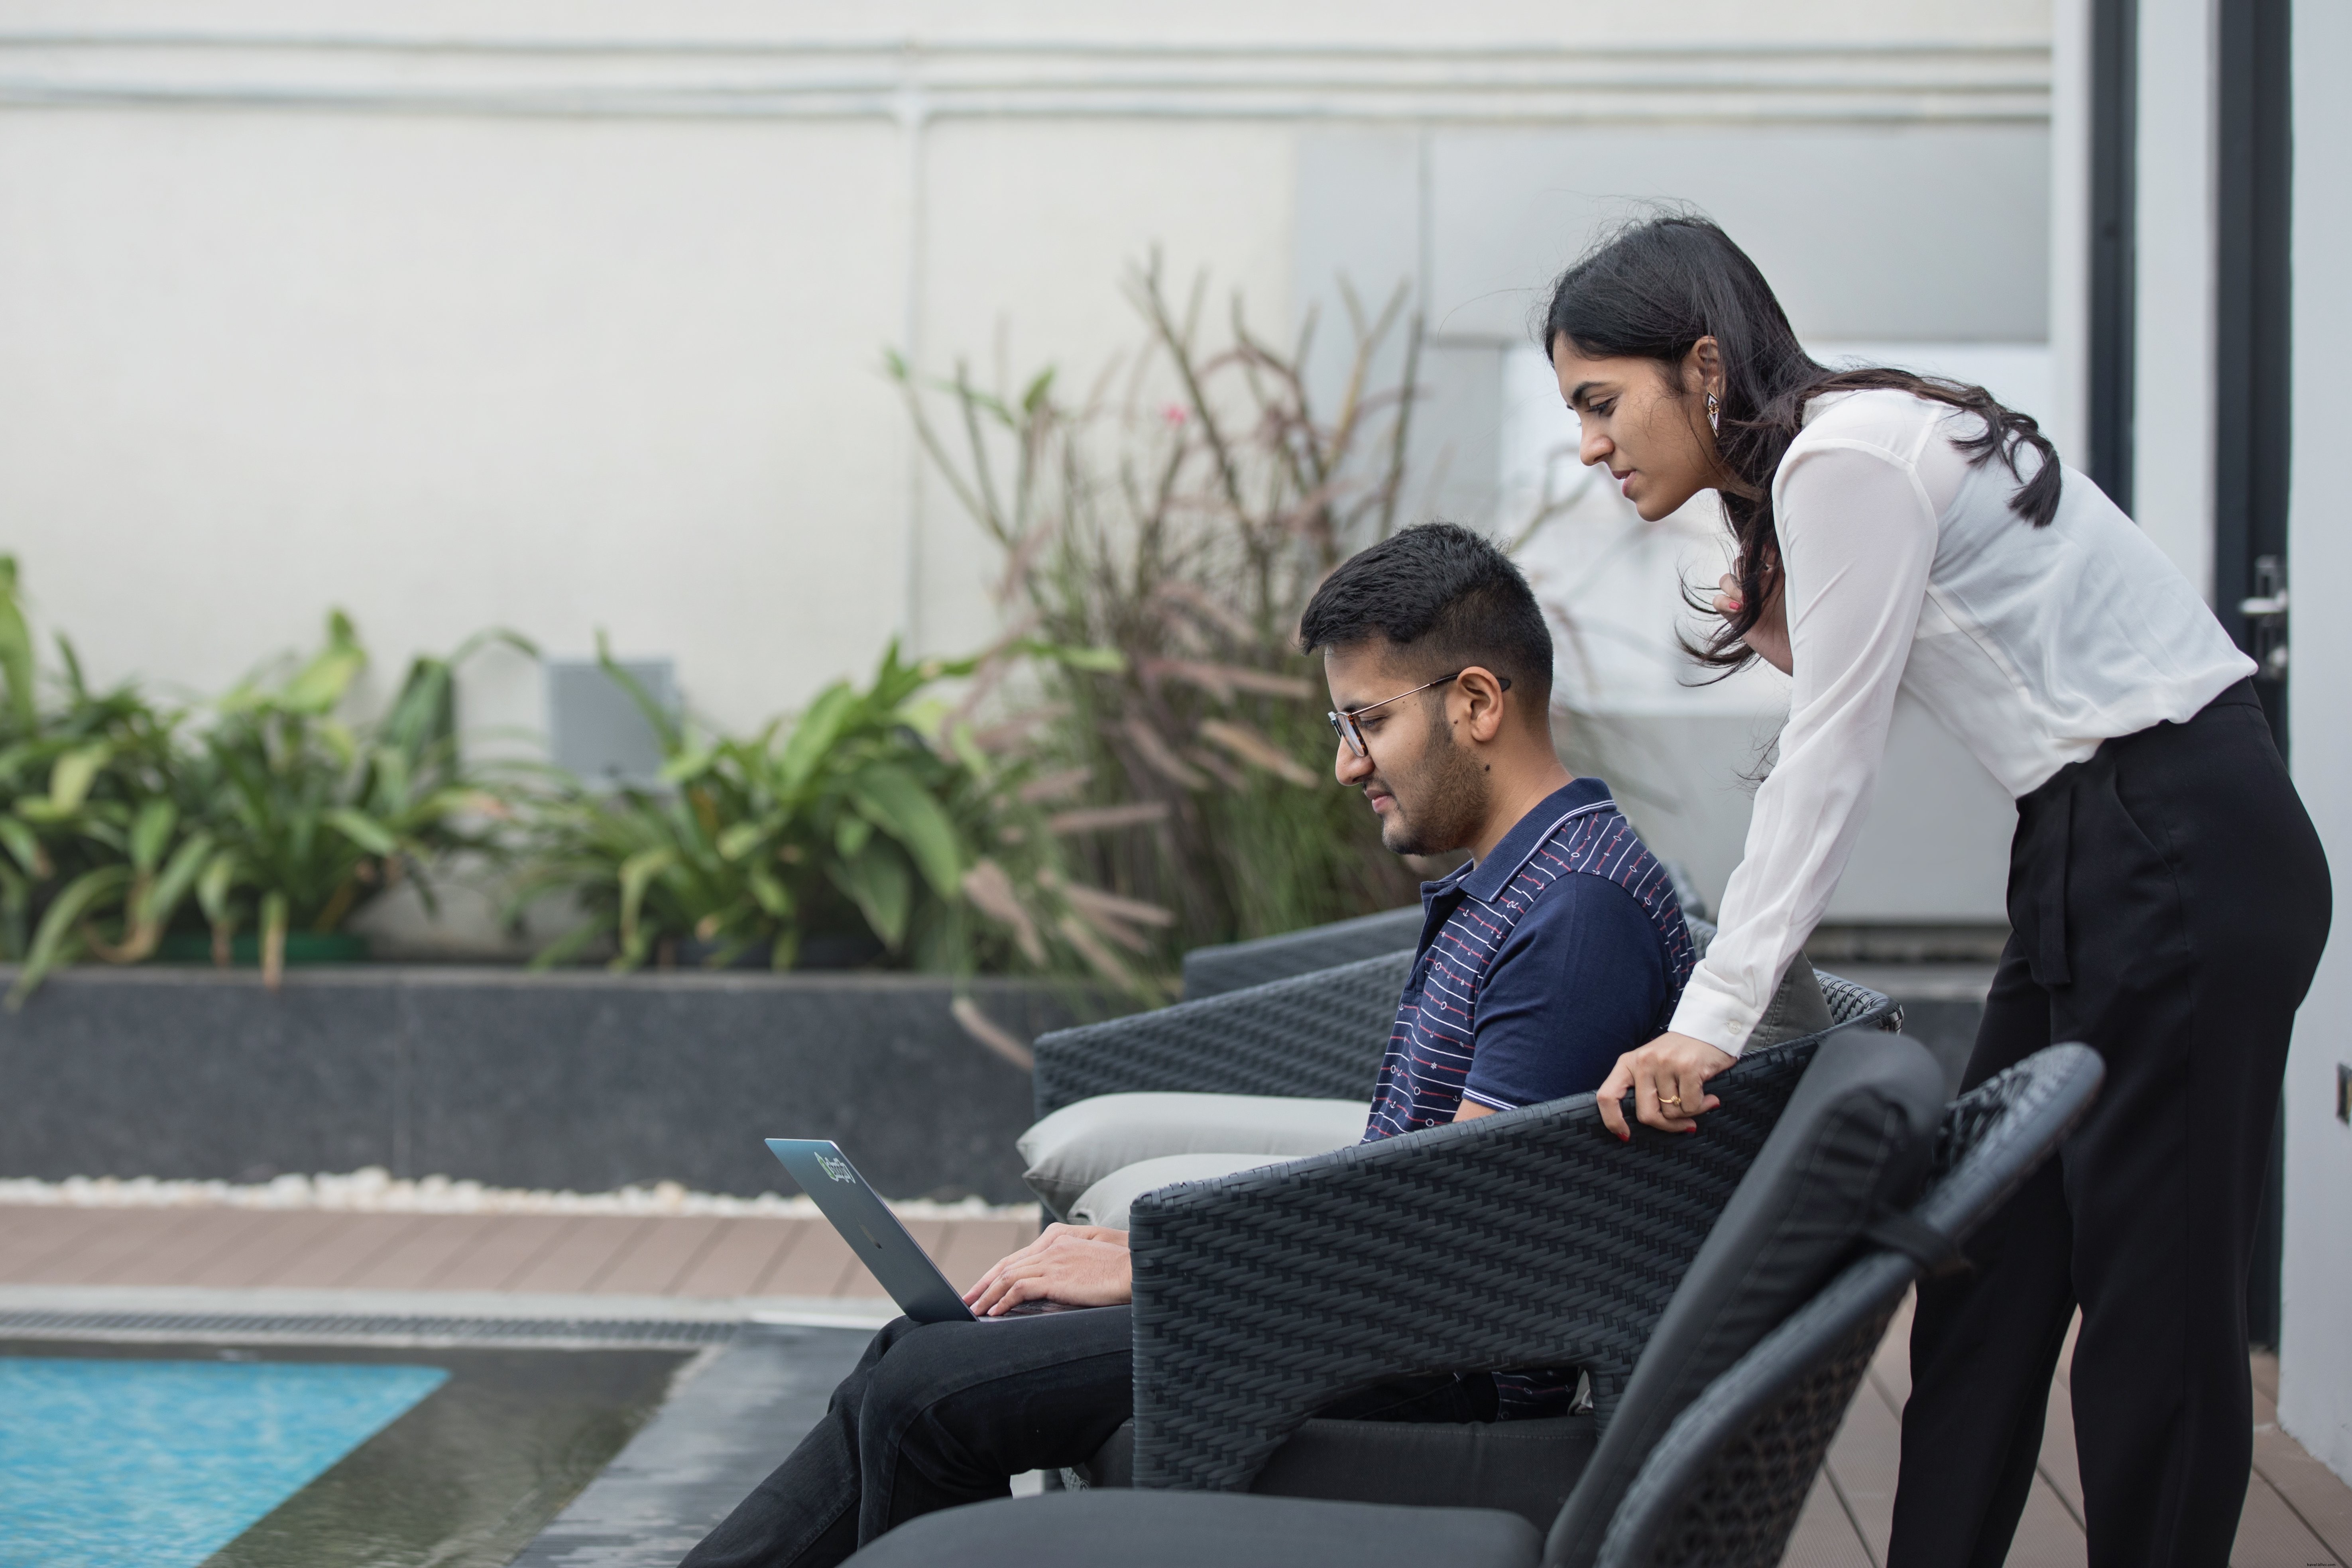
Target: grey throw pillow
column 1079, row 1144
column 1107, row 1202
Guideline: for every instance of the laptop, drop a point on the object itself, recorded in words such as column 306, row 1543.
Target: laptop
column 866, row 1222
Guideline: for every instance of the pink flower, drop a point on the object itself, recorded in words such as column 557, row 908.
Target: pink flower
column 1174, row 413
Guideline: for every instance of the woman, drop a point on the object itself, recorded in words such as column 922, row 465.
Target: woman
column 2168, row 897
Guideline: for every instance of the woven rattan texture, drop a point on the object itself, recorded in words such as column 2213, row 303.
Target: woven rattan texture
column 1532, row 1237
column 1748, row 1500
column 1320, row 1035
column 1214, row 971
column 1726, row 1484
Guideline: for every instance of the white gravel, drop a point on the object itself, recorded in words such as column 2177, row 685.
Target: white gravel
column 372, row 1190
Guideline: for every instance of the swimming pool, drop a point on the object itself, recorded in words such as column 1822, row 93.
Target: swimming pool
column 138, row 1456
column 106, row 1462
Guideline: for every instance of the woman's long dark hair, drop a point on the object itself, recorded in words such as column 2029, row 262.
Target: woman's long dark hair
column 1652, row 290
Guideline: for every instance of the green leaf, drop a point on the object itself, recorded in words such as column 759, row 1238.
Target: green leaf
column 663, row 723
column 813, row 736
column 769, row 891
column 850, row 834
column 895, row 800
column 638, row 873
column 179, row 875
column 688, row 765
column 740, row 839
column 26, row 846
column 213, row 888
column 75, row 772
column 323, row 680
column 367, row 835
column 151, row 831
column 16, row 647
column 1096, row 661
column 57, row 941
column 882, row 887
column 339, row 740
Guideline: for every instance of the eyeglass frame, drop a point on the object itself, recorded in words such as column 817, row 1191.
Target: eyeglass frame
column 1352, row 733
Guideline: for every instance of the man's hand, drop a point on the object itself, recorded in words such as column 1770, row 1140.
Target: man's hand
column 1077, row 1265
column 1668, row 1078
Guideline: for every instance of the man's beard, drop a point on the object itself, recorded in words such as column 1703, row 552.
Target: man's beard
column 1449, row 798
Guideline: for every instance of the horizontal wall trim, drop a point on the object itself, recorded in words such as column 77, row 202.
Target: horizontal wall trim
column 914, row 81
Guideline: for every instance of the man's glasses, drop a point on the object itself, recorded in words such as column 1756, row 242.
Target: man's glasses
column 1344, row 726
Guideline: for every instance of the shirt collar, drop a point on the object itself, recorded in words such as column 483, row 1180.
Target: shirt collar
column 1484, row 880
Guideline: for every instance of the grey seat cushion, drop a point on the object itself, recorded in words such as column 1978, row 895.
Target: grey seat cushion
column 1796, row 1008
column 1853, row 1142
column 1526, row 1467
column 1202, row 1530
column 1078, row 1145
column 1105, row 1203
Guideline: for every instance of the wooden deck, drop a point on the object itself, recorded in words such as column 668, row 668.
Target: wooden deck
column 2298, row 1515
column 594, row 1255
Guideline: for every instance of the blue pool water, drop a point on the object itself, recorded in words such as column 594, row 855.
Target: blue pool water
column 159, row 1464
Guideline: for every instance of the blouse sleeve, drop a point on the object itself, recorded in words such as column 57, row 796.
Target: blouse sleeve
column 1857, row 537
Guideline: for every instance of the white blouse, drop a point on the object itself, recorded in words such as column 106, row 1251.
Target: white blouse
column 1908, row 571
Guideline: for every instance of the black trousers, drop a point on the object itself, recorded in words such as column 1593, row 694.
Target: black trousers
column 940, row 1413
column 2168, row 903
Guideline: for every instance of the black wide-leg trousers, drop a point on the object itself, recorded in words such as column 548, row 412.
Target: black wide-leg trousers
column 2168, row 901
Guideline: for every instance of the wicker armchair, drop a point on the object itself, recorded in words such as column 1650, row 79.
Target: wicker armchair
column 1726, row 1483
column 1722, row 1487
column 1319, row 1035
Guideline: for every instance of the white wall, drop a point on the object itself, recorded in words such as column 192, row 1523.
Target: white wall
column 2315, row 1348
column 563, row 316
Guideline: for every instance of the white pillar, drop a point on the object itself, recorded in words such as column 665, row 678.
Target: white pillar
column 2173, row 358
column 2315, row 1338
column 2067, row 417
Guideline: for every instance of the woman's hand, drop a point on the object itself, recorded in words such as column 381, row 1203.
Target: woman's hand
column 1668, row 1078
column 1768, row 638
column 1077, row 1265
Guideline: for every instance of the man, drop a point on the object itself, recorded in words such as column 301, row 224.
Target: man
column 1559, row 947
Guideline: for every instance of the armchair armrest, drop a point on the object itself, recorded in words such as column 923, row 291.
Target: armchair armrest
column 1531, row 1238
column 1321, row 1036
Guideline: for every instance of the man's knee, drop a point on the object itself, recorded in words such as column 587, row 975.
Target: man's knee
column 920, row 1364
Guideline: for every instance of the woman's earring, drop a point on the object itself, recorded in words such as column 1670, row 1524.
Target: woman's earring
column 1713, row 414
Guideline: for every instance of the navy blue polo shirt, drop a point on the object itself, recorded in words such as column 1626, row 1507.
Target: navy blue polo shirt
column 1538, row 966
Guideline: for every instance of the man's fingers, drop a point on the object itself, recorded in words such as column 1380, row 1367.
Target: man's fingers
column 1025, row 1288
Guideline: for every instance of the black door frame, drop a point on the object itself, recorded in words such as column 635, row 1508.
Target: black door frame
column 2253, row 424
column 2114, row 154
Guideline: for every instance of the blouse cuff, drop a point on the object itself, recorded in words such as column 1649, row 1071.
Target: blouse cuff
column 1723, row 1021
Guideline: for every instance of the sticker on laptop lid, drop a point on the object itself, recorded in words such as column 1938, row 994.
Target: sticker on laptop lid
column 837, row 1169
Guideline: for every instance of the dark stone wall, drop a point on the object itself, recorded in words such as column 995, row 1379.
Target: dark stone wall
column 581, row 1081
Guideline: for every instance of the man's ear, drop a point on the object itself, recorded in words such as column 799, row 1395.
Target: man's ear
column 1480, row 692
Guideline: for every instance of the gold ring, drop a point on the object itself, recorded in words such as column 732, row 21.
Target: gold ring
column 1670, row 1099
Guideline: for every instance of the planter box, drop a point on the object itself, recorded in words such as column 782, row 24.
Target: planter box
column 583, row 1080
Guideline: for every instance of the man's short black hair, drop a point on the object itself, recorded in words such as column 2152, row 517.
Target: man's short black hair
column 1444, row 592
